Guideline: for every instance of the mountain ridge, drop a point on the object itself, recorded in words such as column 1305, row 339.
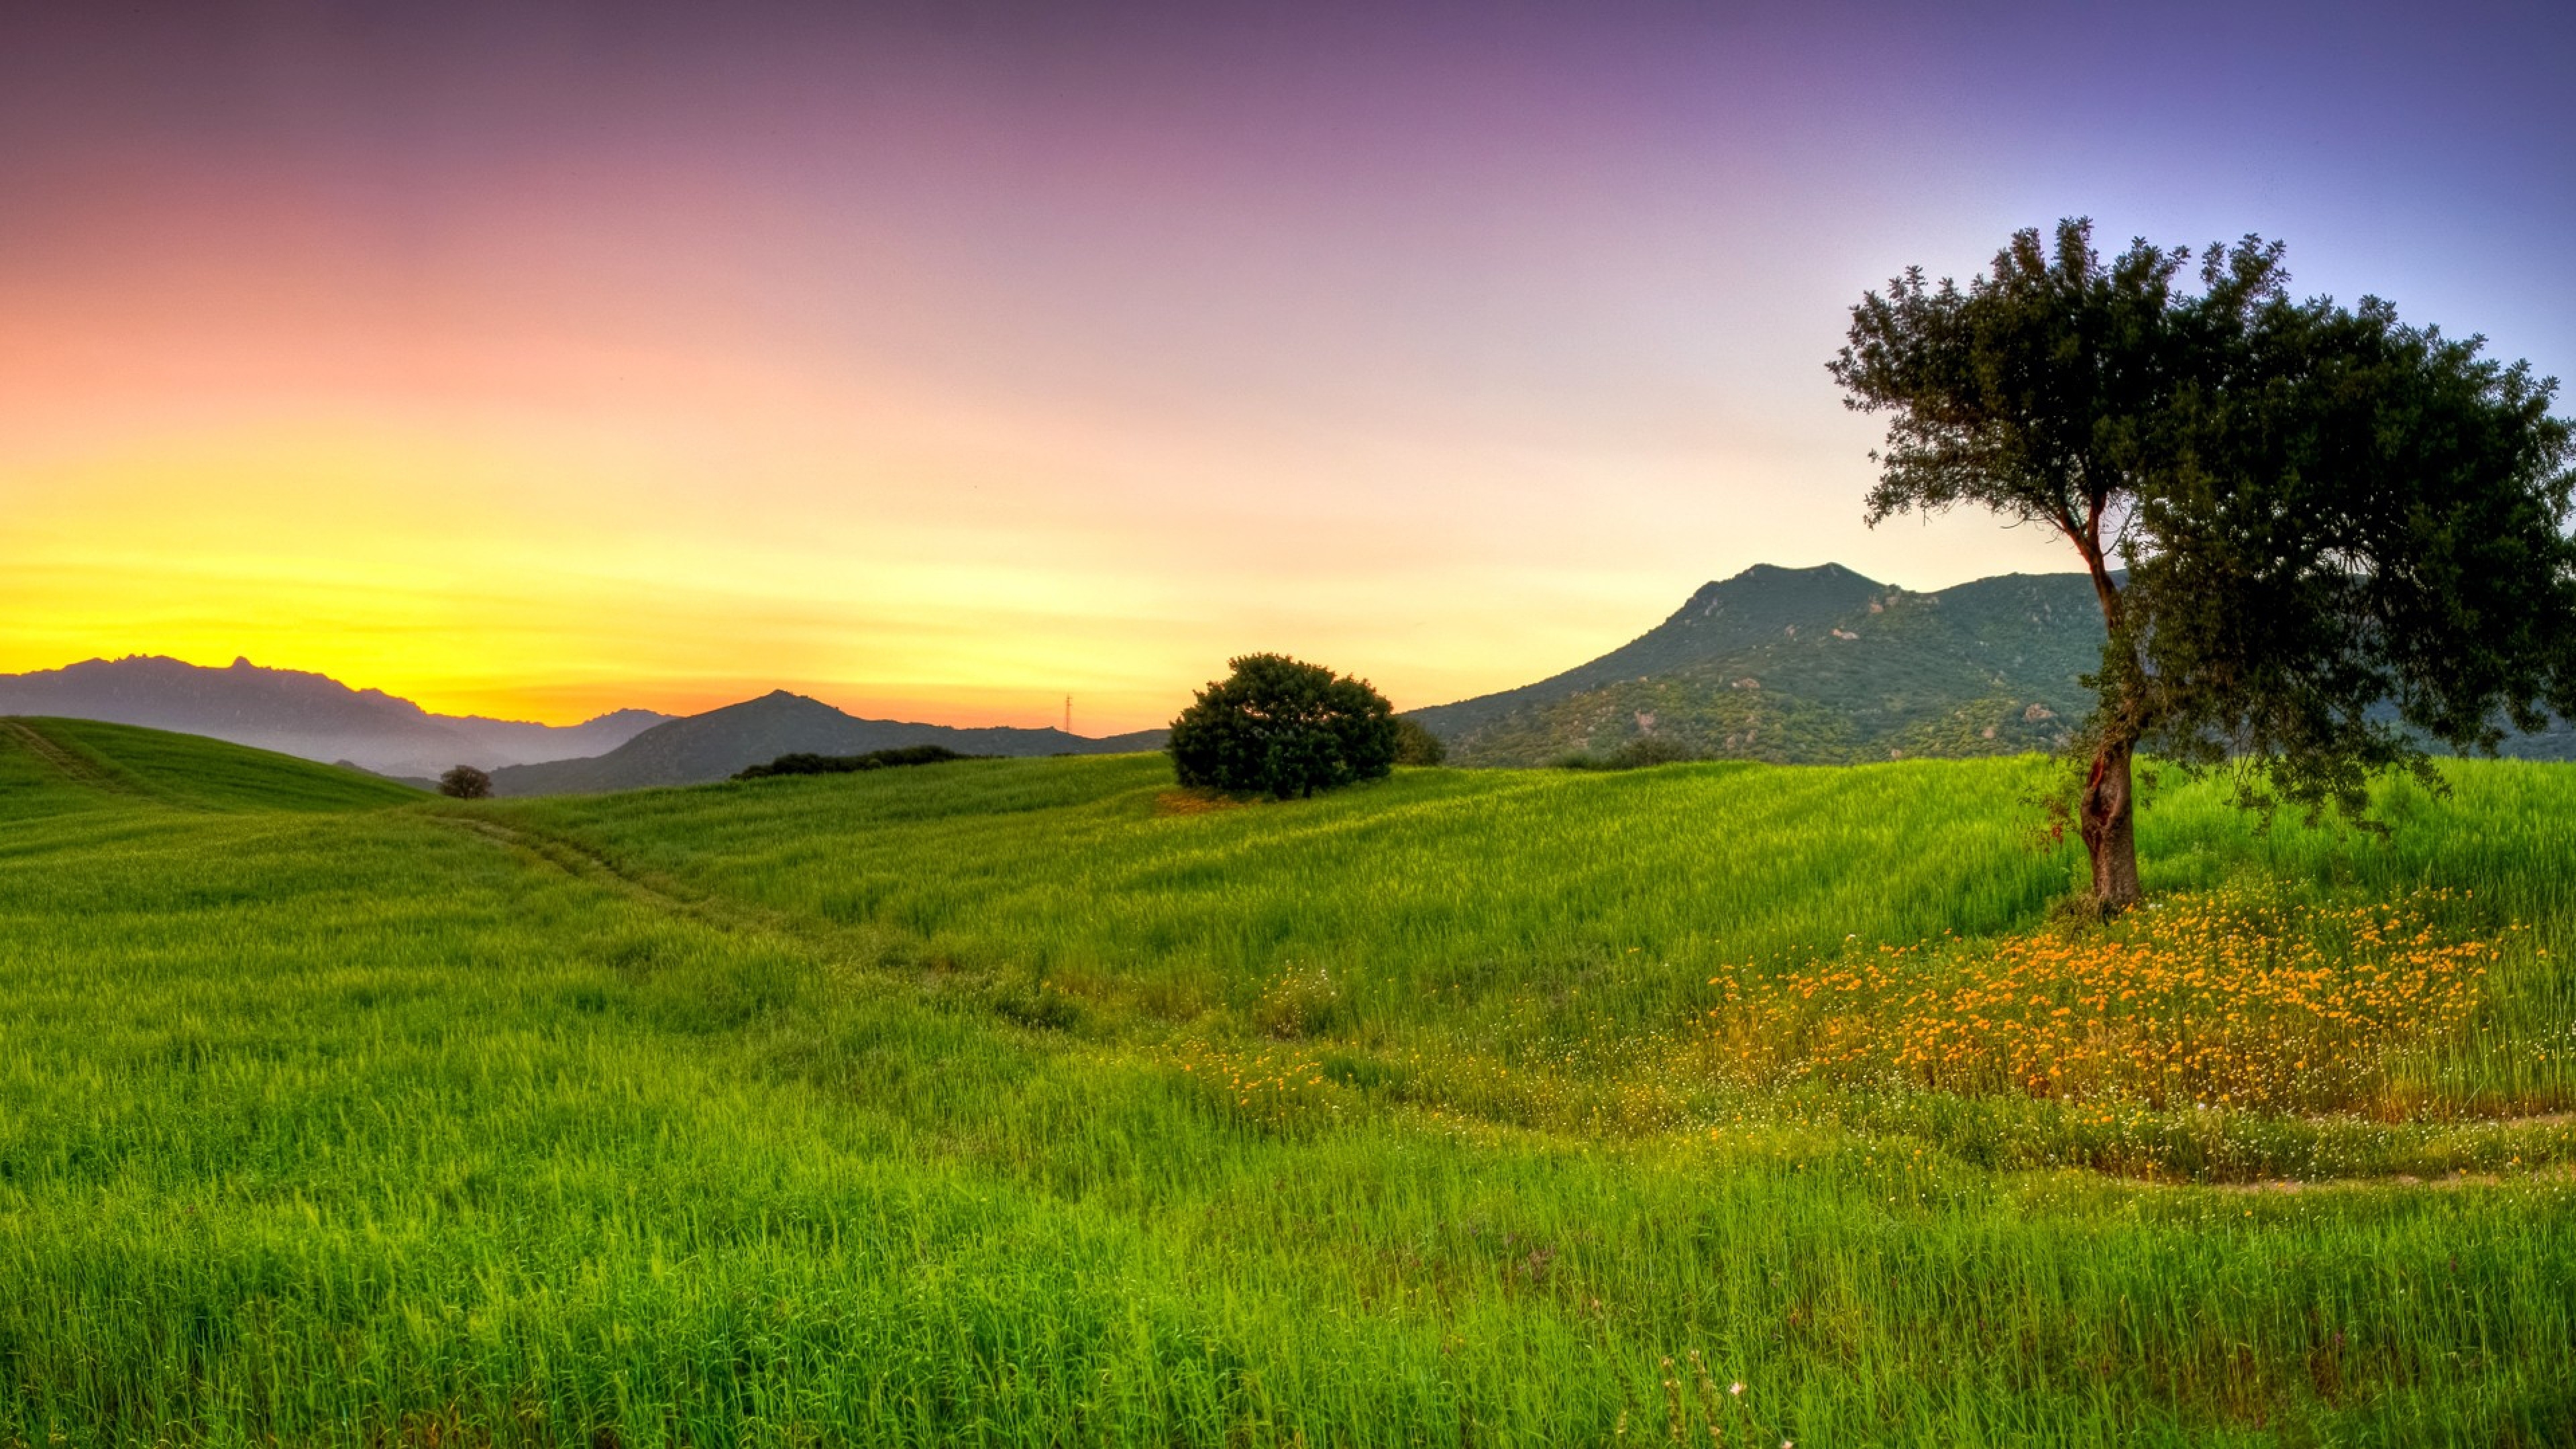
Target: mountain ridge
column 699, row 748
column 303, row 713
column 1814, row 665
column 314, row 717
column 1819, row 665
column 1823, row 665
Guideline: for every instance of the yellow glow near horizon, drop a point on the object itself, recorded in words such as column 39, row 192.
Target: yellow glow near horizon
column 411, row 561
column 527, row 564
column 558, row 461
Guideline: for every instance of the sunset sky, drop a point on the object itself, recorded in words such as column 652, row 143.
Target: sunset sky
column 942, row 360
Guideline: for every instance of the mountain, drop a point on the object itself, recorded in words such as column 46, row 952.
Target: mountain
column 1812, row 666
column 712, row 746
column 312, row 716
column 1823, row 666
column 1713, row 624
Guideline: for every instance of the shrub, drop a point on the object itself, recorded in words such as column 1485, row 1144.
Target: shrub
column 464, row 782
column 1415, row 744
column 1649, row 750
column 1640, row 753
column 811, row 764
column 1279, row 727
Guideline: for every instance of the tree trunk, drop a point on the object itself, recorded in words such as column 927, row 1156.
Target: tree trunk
column 2110, row 838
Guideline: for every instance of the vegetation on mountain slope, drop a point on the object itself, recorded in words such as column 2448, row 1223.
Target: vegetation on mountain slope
column 1754, row 668
column 1870, row 673
column 896, row 758
column 1716, row 622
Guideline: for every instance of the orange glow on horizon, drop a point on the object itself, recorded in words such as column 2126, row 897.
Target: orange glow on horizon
column 718, row 529
column 650, row 408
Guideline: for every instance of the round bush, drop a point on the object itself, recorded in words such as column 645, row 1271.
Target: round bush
column 1283, row 728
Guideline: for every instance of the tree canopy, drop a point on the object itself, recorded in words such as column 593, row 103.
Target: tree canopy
column 2320, row 537
column 1279, row 727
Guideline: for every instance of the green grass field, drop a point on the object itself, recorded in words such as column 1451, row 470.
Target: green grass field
column 1007, row 1102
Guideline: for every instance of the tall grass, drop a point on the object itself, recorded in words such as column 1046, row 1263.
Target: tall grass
column 1021, row 1102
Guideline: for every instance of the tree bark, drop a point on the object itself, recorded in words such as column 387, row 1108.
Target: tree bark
column 2106, row 817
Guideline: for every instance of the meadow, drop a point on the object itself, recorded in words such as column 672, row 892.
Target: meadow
column 1036, row 1102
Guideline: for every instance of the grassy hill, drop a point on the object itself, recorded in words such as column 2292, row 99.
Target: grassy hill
column 1033, row 1101
column 58, row 764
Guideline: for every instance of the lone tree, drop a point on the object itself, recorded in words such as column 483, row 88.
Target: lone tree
column 2319, row 537
column 464, row 782
column 1282, row 728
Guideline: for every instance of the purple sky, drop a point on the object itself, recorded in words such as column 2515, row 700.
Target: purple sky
column 953, row 357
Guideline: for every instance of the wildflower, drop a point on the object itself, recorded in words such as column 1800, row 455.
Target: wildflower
column 1736, row 1389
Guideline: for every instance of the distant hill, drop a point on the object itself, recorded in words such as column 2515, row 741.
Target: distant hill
column 312, row 716
column 712, row 746
column 51, row 766
column 1824, row 666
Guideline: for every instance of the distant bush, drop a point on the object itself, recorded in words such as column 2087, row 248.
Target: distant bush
column 1636, row 754
column 808, row 764
column 464, row 782
column 1283, row 728
column 1415, row 744
column 1647, row 750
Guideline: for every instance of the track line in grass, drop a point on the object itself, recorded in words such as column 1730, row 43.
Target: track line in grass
column 836, row 945
column 585, row 862
column 74, row 768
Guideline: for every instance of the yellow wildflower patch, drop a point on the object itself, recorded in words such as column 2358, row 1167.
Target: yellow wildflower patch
column 1267, row 1086
column 2229, row 999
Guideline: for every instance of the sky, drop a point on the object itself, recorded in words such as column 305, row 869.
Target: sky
column 945, row 360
